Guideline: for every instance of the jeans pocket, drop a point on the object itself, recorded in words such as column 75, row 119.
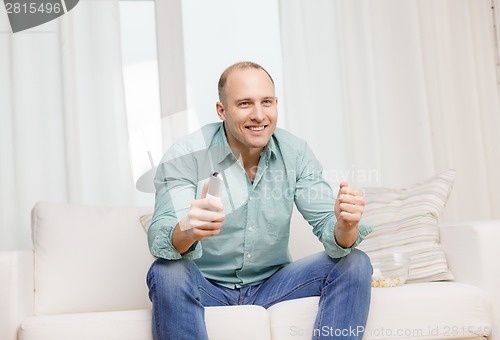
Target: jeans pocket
column 209, row 300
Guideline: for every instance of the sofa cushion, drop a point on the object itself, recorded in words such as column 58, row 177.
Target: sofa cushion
column 437, row 310
column 89, row 259
column 223, row 323
column 124, row 325
column 237, row 322
column 406, row 220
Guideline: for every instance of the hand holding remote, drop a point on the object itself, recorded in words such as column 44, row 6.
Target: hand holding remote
column 206, row 215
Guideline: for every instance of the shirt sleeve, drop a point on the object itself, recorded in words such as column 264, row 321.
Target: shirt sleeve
column 316, row 201
column 175, row 183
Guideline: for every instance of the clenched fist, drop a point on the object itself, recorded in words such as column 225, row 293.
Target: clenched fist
column 349, row 207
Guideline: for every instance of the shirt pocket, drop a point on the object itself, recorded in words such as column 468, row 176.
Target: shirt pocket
column 272, row 233
column 275, row 236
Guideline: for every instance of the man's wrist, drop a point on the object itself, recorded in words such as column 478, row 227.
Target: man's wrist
column 180, row 239
column 345, row 238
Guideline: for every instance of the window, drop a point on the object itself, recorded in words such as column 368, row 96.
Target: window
column 140, row 73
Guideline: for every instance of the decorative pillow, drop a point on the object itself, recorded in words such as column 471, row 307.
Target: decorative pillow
column 406, row 220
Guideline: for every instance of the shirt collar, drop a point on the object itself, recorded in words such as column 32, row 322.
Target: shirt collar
column 270, row 149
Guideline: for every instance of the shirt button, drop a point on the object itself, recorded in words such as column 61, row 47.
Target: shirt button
column 249, row 256
column 250, row 198
column 250, row 228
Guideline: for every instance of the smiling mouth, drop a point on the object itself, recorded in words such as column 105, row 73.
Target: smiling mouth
column 256, row 128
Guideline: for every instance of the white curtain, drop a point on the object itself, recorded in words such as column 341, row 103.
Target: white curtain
column 390, row 92
column 63, row 128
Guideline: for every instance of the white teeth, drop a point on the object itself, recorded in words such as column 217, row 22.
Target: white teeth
column 256, row 128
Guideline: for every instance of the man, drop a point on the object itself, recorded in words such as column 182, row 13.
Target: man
column 235, row 250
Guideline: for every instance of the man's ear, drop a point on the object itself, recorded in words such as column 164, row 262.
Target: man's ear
column 221, row 112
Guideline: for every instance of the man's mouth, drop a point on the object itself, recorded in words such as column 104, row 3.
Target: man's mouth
column 256, row 128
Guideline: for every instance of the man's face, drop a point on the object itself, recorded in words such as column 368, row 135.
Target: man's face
column 250, row 109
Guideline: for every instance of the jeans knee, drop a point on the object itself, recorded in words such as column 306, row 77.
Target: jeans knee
column 360, row 265
column 170, row 274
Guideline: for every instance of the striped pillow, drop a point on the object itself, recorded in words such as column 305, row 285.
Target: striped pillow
column 406, row 220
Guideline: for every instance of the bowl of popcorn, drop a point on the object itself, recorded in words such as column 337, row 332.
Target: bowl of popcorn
column 389, row 270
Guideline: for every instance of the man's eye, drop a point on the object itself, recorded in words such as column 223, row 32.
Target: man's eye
column 268, row 102
column 244, row 104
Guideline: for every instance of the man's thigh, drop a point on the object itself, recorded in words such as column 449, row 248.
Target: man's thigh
column 302, row 278
column 179, row 278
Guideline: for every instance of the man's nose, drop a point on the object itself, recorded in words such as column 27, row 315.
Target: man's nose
column 258, row 113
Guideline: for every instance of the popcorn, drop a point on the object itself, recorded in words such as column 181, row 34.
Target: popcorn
column 385, row 282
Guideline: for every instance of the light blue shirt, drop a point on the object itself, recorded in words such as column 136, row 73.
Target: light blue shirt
column 253, row 242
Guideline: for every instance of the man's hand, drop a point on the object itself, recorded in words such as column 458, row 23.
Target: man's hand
column 349, row 207
column 204, row 219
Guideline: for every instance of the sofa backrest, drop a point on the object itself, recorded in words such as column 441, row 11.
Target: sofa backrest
column 89, row 259
column 302, row 240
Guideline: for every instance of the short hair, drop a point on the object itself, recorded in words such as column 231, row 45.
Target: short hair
column 238, row 66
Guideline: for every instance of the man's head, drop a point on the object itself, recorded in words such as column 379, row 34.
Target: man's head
column 238, row 66
column 248, row 106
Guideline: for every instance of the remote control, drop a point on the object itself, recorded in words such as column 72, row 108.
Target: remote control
column 215, row 185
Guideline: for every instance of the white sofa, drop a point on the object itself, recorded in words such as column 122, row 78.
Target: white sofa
column 85, row 279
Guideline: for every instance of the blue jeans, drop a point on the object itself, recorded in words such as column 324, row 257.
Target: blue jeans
column 179, row 293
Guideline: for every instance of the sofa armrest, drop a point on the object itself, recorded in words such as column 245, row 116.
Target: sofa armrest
column 16, row 290
column 472, row 252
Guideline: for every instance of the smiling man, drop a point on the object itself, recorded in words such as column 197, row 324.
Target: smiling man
column 234, row 251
